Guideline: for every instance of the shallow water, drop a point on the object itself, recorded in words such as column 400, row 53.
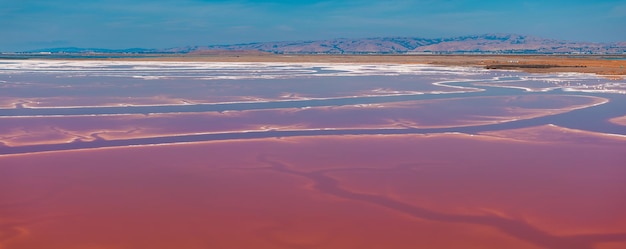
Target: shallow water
column 111, row 154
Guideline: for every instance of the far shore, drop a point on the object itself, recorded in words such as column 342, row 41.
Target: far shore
column 601, row 65
column 610, row 66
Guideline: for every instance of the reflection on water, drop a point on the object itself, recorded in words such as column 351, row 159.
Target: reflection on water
column 108, row 154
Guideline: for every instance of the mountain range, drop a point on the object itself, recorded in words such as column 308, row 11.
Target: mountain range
column 487, row 43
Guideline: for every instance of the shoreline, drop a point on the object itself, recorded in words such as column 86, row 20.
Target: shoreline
column 601, row 65
column 526, row 63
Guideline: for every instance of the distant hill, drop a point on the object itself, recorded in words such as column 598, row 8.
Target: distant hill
column 387, row 45
column 488, row 43
column 510, row 43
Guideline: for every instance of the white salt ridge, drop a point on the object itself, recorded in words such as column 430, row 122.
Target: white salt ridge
column 233, row 70
column 271, row 70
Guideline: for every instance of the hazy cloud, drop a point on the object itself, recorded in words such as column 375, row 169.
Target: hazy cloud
column 168, row 23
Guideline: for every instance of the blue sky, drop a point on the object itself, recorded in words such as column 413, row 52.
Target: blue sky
column 33, row 24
